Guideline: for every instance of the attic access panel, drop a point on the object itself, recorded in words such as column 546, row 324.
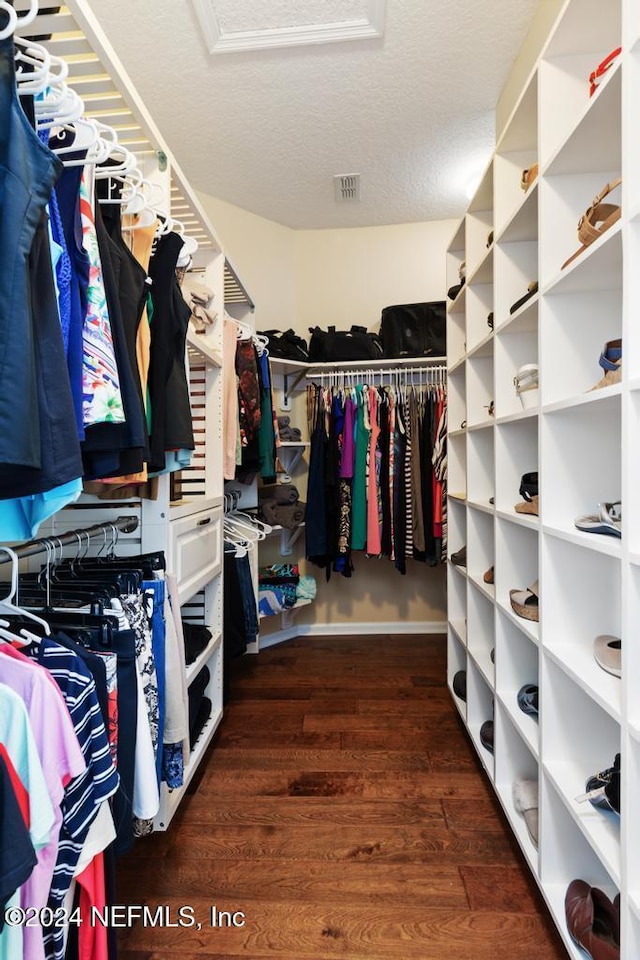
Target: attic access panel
column 234, row 26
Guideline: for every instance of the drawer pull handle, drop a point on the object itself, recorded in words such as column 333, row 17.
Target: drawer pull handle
column 203, row 523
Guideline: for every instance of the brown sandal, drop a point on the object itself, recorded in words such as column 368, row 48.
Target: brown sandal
column 525, row 602
column 604, row 214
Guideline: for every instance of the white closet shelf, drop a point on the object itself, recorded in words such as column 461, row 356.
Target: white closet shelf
column 504, row 793
column 530, row 628
column 522, row 519
column 459, row 704
column 634, row 903
column 486, row 758
column 458, row 433
column 599, row 267
column 481, row 424
column 522, row 320
column 459, row 627
column 523, row 223
column 584, row 399
column 196, row 342
column 461, row 571
column 288, row 366
column 187, row 507
column 526, row 726
column 634, row 558
column 634, row 384
column 488, row 589
column 577, row 661
column 460, row 497
column 601, row 829
column 457, row 364
column 458, row 305
column 484, row 347
column 482, row 660
column 483, row 271
column 286, row 615
column 520, row 415
column 194, row 668
column 481, row 505
column 292, row 444
column 288, row 537
column 599, row 543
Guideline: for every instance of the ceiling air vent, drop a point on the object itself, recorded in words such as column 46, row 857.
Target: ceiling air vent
column 347, row 187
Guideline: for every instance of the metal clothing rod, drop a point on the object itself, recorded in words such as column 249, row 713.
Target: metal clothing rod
column 429, row 373
column 30, row 549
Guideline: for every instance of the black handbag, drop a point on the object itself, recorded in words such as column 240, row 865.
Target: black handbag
column 286, row 346
column 335, row 346
column 414, row 330
column 529, row 485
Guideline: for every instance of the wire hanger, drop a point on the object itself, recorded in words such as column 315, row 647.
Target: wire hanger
column 7, row 605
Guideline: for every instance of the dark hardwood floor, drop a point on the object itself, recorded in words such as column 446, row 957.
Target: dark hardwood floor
column 342, row 813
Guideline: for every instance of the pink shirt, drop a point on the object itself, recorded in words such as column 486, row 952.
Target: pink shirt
column 61, row 759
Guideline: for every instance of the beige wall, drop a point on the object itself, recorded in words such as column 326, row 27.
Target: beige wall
column 261, row 252
column 543, row 21
column 348, row 276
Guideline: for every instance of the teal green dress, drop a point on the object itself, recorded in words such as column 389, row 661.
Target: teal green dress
column 359, row 493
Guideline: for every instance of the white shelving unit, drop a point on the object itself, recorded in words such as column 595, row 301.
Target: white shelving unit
column 189, row 530
column 581, row 443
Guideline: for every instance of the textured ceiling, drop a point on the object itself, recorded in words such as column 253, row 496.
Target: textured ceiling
column 413, row 112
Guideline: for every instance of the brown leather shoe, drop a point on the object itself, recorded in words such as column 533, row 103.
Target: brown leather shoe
column 592, row 921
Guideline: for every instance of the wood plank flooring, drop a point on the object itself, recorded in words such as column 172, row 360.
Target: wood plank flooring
column 342, row 813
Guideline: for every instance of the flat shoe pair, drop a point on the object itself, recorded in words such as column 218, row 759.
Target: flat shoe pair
column 608, row 520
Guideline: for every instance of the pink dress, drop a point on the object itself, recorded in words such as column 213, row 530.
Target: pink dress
column 374, row 546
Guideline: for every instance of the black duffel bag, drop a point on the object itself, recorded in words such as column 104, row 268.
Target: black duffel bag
column 414, row 330
column 334, row 346
column 286, row 346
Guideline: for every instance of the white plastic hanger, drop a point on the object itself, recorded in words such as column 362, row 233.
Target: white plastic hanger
column 7, row 604
column 12, row 21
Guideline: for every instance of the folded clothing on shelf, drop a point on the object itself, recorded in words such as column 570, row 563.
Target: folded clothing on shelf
column 199, row 705
column 280, row 492
column 290, row 434
column 288, row 515
column 279, row 573
column 274, row 599
column 306, row 589
column 196, row 639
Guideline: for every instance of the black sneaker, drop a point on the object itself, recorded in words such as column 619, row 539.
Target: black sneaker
column 460, row 685
column 460, row 557
column 486, row 735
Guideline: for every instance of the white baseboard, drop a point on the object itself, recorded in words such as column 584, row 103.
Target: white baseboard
column 366, row 629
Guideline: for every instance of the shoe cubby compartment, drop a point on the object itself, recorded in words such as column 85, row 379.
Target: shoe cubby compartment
column 564, row 199
column 580, row 739
column 594, row 143
column 581, row 468
column 631, row 331
column 582, row 599
column 632, row 134
column 479, row 306
column 479, row 709
column 455, row 255
column 631, row 933
column 514, row 349
column 479, row 389
column 516, row 453
column 630, row 782
column 516, row 266
column 565, row 855
column 480, row 549
column 457, row 466
column 581, row 40
column 631, row 650
column 578, row 327
column 516, row 569
column 481, row 466
column 514, row 761
column 517, row 151
column 516, row 666
column 479, row 223
column 481, row 632
column 456, row 661
column 457, row 591
column 457, row 397
column 457, row 525
column 456, row 342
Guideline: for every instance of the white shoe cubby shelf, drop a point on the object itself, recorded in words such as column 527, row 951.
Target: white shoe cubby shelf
column 581, row 441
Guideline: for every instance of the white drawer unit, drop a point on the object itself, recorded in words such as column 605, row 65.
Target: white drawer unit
column 195, row 550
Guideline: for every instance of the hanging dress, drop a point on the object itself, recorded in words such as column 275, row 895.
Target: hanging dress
column 373, row 489
column 359, row 491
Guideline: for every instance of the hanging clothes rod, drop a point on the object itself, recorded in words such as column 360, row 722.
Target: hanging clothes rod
column 404, row 373
column 42, row 544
